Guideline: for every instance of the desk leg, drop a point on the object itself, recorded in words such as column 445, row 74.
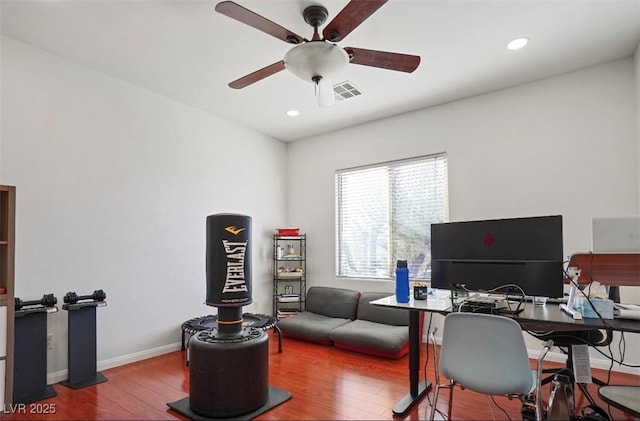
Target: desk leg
column 417, row 389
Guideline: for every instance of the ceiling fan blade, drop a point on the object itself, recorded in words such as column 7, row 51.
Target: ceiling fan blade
column 246, row 16
column 258, row 75
column 349, row 18
column 391, row 61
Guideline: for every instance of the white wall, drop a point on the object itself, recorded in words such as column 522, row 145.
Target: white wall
column 637, row 73
column 114, row 184
column 563, row 145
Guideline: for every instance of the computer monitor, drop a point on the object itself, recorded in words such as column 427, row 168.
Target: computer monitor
column 483, row 255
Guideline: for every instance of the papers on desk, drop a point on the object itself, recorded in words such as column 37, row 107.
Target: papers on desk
column 626, row 311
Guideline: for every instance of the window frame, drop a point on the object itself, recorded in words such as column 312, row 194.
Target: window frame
column 391, row 167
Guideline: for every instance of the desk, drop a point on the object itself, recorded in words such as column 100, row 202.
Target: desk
column 551, row 316
column 548, row 317
column 417, row 388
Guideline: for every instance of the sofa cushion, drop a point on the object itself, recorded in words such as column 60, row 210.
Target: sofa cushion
column 378, row 314
column 372, row 338
column 311, row 326
column 332, row 302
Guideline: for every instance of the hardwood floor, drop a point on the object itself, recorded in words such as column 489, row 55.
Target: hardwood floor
column 326, row 383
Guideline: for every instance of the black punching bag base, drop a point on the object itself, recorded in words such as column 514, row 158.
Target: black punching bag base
column 276, row 397
column 47, row 392
column 84, row 382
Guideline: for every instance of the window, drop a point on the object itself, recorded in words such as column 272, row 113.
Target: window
column 384, row 212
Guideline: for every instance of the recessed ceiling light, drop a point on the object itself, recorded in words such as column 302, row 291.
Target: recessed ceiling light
column 518, row 43
column 293, row 113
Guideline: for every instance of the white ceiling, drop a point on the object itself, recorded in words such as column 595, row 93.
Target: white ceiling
column 186, row 51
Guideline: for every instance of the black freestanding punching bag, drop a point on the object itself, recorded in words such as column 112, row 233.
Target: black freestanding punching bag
column 229, row 365
column 229, row 268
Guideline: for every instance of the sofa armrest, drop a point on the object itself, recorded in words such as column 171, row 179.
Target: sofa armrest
column 379, row 314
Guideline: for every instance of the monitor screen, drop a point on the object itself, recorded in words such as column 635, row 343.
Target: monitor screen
column 483, row 255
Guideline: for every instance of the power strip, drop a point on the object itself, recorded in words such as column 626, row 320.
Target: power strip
column 488, row 302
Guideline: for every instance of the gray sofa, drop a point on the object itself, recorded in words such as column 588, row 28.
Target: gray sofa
column 326, row 309
column 346, row 319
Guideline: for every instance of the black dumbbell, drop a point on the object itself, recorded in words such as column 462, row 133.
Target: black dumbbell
column 47, row 300
column 72, row 297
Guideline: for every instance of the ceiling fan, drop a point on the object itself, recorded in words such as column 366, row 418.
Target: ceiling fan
column 319, row 59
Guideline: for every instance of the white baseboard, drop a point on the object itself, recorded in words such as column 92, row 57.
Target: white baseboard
column 118, row 361
column 599, row 363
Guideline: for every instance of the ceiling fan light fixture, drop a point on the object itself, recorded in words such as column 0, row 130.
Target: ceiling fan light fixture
column 518, row 43
column 324, row 91
column 316, row 58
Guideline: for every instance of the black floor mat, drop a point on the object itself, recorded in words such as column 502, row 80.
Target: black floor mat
column 276, row 397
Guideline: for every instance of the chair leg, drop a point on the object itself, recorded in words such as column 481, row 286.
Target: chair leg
column 436, row 394
column 450, row 401
column 435, row 402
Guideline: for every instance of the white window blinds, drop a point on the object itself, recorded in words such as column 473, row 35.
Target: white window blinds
column 384, row 212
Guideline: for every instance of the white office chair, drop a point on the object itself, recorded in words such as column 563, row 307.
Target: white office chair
column 487, row 354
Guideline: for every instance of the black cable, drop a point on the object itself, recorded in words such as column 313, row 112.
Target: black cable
column 431, row 404
column 426, row 360
column 610, row 365
column 609, row 412
column 473, row 308
column 613, row 360
column 586, row 342
column 622, row 346
column 607, row 326
column 500, row 408
column 591, row 280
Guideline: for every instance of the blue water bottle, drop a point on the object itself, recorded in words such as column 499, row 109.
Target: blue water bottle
column 402, row 282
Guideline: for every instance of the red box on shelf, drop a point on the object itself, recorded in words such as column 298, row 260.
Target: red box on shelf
column 288, row 232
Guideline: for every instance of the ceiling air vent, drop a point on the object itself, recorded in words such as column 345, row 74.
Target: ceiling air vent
column 345, row 90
